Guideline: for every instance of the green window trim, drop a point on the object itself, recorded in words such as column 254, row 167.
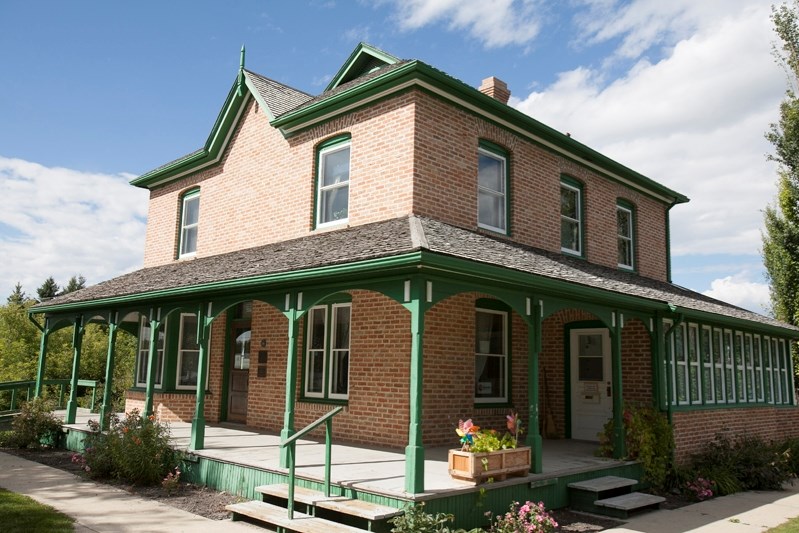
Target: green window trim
column 189, row 223
column 493, row 196
column 331, row 200
column 485, row 349
column 626, row 234
column 572, row 225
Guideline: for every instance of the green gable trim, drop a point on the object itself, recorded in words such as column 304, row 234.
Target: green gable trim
column 421, row 75
column 362, row 60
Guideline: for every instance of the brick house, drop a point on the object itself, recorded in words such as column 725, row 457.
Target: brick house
column 418, row 251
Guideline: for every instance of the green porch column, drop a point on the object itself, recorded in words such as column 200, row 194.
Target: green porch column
column 619, row 446
column 105, row 410
column 155, row 323
column 414, row 452
column 291, row 385
column 533, row 427
column 77, row 341
column 42, row 359
column 198, row 422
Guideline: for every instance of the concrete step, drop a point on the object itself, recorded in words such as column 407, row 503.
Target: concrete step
column 274, row 515
column 338, row 504
column 583, row 494
column 623, row 506
column 603, row 484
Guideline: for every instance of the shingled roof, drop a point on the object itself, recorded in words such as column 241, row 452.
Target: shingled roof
column 279, row 97
column 393, row 238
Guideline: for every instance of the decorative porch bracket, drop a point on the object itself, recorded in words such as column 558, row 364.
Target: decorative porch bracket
column 414, row 452
column 77, row 341
column 534, row 348
column 105, row 410
column 292, row 315
column 619, row 445
column 155, row 323
column 204, row 320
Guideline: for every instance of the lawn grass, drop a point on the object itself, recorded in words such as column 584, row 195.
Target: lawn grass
column 791, row 526
column 20, row 514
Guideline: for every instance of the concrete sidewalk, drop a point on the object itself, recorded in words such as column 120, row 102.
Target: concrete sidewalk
column 743, row 512
column 101, row 508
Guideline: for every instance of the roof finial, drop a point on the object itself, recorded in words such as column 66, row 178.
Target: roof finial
column 240, row 85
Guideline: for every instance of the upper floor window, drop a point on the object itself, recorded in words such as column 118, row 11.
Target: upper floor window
column 571, row 216
column 327, row 358
column 625, row 235
column 189, row 221
column 492, row 178
column 491, row 356
column 333, row 182
column 143, row 355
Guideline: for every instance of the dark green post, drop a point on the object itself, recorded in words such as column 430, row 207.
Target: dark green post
column 42, row 359
column 534, row 349
column 105, row 410
column 619, row 447
column 198, row 422
column 414, row 452
column 77, row 341
column 155, row 323
column 291, row 384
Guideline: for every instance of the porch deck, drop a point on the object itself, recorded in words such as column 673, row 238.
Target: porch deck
column 363, row 468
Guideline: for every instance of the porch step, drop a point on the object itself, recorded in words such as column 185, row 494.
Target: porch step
column 584, row 495
column 273, row 515
column 626, row 504
column 338, row 504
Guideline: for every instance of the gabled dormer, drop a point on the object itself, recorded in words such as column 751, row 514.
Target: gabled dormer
column 363, row 60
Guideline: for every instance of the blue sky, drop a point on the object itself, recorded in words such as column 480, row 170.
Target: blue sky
column 94, row 93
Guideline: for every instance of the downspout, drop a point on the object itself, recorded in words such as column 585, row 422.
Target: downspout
column 668, row 241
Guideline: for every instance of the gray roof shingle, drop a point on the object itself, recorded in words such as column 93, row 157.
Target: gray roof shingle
column 392, row 238
column 280, row 98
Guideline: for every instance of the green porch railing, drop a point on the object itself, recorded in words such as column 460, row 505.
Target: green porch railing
column 22, row 391
column 291, row 442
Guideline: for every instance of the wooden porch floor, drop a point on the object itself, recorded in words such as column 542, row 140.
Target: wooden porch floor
column 364, row 468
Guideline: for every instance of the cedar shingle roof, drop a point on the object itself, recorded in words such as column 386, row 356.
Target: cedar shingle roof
column 280, row 98
column 392, row 238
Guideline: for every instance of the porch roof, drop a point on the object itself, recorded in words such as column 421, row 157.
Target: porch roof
column 383, row 240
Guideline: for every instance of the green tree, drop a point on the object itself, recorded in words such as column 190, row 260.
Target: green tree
column 75, row 283
column 781, row 236
column 17, row 297
column 48, row 289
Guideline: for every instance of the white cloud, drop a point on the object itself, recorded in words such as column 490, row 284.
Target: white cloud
column 694, row 120
column 62, row 222
column 739, row 290
column 495, row 24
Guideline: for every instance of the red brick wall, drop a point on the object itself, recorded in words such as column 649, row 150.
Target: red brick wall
column 636, row 363
column 693, row 429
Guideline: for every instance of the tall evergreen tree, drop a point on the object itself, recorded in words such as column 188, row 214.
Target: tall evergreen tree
column 48, row 289
column 781, row 237
column 17, row 297
column 75, row 283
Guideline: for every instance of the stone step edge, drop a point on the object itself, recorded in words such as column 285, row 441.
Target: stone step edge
column 278, row 516
column 339, row 504
column 631, row 502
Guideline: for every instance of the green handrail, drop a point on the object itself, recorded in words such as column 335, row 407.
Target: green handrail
column 16, row 388
column 291, row 442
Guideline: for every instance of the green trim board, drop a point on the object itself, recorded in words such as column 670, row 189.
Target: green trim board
column 358, row 63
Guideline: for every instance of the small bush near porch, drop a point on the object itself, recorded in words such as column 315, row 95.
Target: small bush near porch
column 135, row 449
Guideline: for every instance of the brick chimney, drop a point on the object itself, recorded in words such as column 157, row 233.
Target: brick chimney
column 496, row 88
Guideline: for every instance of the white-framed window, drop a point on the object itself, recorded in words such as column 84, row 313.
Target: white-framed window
column 775, row 370
column 492, row 177
column 188, row 352
column 491, row 356
column 718, row 367
column 768, row 375
column 680, row 365
column 333, row 183
column 624, row 231
column 757, row 353
column 785, row 366
column 694, row 389
column 708, row 371
column 189, row 223
column 729, row 368
column 571, row 227
column 143, row 355
column 749, row 369
column 327, row 353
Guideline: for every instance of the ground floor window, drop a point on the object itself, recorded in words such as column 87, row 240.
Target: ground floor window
column 143, row 354
column 491, row 356
column 188, row 352
column 327, row 353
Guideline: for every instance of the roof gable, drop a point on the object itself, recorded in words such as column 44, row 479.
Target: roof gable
column 363, row 60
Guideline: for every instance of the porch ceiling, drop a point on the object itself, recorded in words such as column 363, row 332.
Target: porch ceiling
column 398, row 242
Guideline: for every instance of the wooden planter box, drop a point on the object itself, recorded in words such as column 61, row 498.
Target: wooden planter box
column 478, row 467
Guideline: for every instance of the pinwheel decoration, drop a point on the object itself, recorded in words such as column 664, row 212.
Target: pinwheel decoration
column 466, row 431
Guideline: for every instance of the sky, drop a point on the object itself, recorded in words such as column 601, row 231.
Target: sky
column 95, row 93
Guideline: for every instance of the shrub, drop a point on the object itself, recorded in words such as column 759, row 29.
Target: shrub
column 649, row 440
column 36, row 425
column 135, row 449
column 416, row 520
column 529, row 518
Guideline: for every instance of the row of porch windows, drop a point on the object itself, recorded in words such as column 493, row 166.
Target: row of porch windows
column 721, row 366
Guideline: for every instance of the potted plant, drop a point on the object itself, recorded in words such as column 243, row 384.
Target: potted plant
column 485, row 455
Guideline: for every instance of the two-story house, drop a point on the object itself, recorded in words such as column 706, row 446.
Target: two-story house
column 420, row 252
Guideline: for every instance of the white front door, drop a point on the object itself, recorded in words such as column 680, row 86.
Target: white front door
column 591, row 390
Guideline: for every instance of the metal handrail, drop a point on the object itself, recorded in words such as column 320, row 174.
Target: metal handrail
column 291, row 442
